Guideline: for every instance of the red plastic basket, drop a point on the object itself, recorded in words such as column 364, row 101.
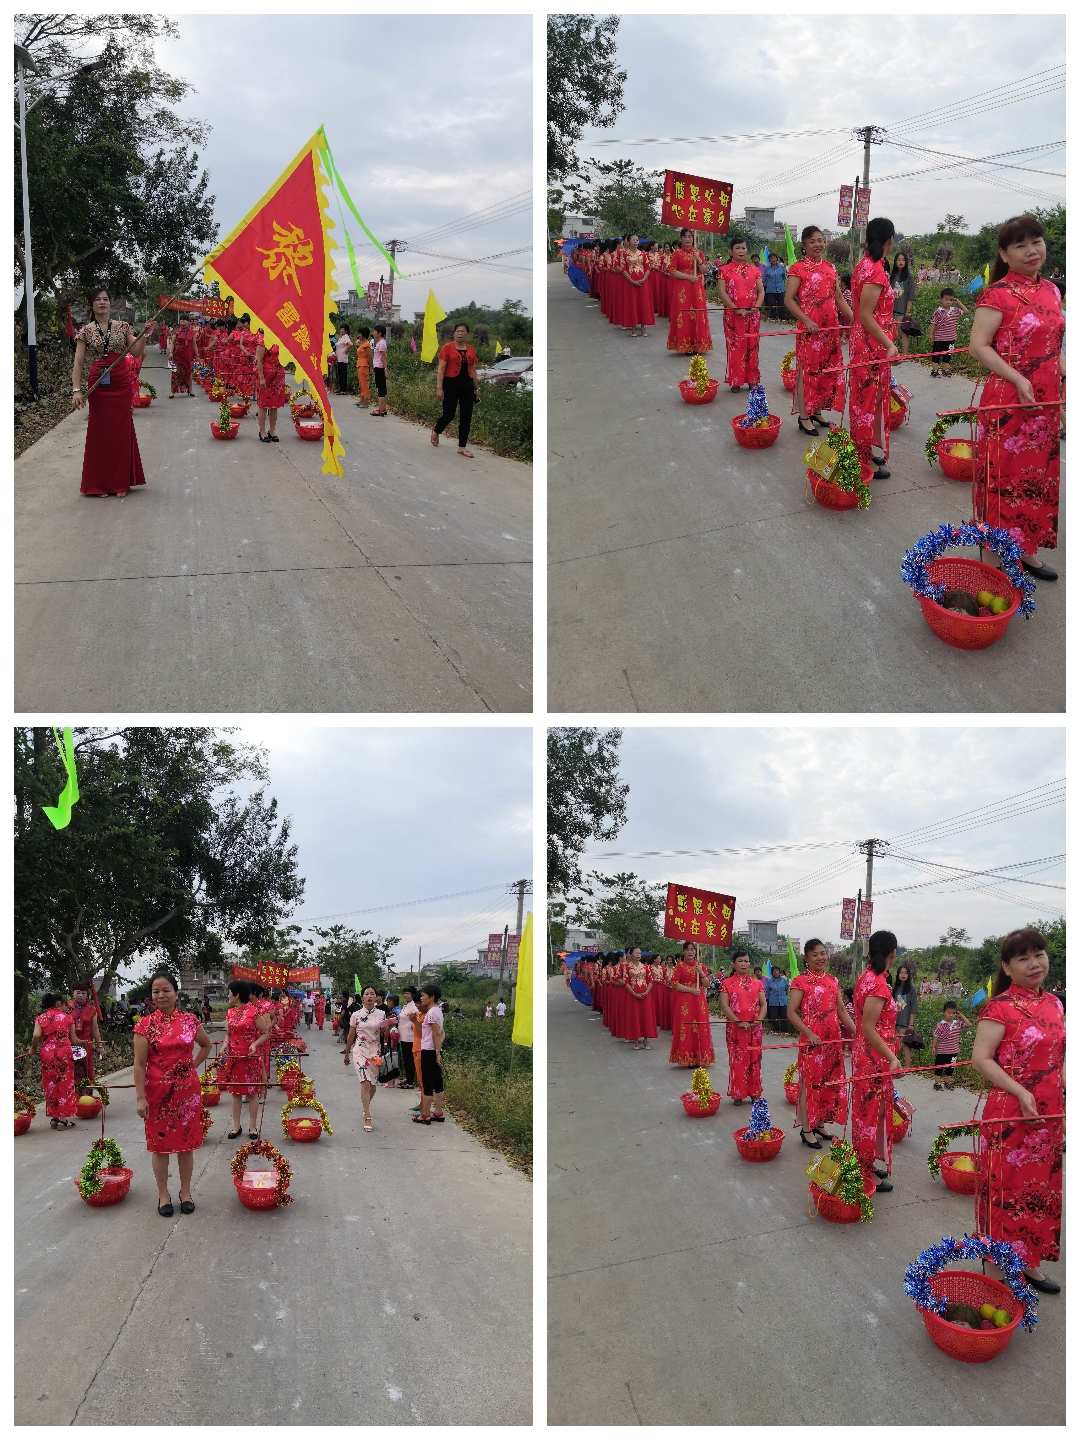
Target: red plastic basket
column 257, row 1189
column 219, row 434
column 955, row 467
column 898, row 412
column 758, row 1150
column 22, row 1121
column 310, row 431
column 140, row 402
column 961, row 1182
column 969, row 1287
column 211, row 1095
column 238, row 409
column 788, row 378
column 835, row 1210
column 693, row 1106
column 688, row 391
column 303, row 412
column 116, row 1184
column 831, row 496
column 756, row 437
column 303, row 1130
column 791, row 1093
column 968, row 632
column 900, row 1127
column 88, row 1107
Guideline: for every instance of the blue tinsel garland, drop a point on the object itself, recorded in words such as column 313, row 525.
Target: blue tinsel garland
column 760, row 1119
column 914, row 566
column 971, row 1247
column 757, row 407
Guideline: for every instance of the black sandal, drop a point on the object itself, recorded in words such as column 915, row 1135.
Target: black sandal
column 824, row 1134
column 165, row 1211
column 187, row 1207
column 814, row 1144
column 813, row 430
column 253, row 1134
column 235, row 1134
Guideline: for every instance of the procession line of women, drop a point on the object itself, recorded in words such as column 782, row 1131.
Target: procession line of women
column 1017, row 335
column 1018, row 1049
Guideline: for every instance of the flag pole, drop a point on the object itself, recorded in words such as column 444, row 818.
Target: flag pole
column 161, row 311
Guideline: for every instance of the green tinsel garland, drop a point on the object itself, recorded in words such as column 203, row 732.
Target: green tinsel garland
column 791, row 1074
column 943, row 1143
column 701, row 1085
column 224, row 418
column 849, row 1180
column 938, row 431
column 104, row 1155
column 699, row 374
column 788, row 362
column 848, row 473
column 145, row 385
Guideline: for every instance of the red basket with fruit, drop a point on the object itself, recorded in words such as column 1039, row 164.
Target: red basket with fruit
column 791, row 1094
column 766, row 1147
column 219, row 433
column 698, row 1108
column 22, row 1122
column 831, row 496
column 971, row 1289
column 303, row 1129
column 901, row 1124
column 788, row 371
column 960, row 1172
column 140, row 402
column 758, row 436
column 957, row 459
column 25, row 1110
column 899, row 407
column 835, row 1210
column 312, row 430
column 791, row 1083
column 88, row 1107
column 211, row 1095
column 978, row 580
column 239, row 408
column 689, row 392
column 261, row 1189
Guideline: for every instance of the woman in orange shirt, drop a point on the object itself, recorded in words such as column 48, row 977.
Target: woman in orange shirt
column 455, row 385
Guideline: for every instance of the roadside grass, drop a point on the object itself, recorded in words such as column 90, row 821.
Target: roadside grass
column 489, row 1087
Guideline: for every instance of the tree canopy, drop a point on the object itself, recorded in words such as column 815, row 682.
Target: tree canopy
column 586, row 799
column 584, row 84
column 174, row 848
column 623, row 907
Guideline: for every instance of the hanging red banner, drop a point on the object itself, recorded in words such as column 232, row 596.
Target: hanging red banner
column 847, row 920
column 695, row 201
column 216, row 309
column 862, row 206
column 702, row 915
column 866, row 919
column 843, row 214
column 275, row 975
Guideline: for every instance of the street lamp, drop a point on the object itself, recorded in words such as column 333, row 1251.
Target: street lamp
column 25, row 61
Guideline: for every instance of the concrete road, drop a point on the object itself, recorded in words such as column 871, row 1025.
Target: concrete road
column 396, row 1289
column 690, row 1288
column 243, row 579
column 689, row 575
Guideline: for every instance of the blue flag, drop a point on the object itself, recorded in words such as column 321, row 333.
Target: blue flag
column 976, row 999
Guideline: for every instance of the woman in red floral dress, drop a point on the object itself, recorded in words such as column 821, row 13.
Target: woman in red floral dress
column 1017, row 334
column 817, row 1012
column 54, row 1035
column 112, row 464
column 243, row 1069
column 691, row 1024
column 661, row 994
column 167, row 1093
column 639, row 1015
column 874, row 1062
column 1020, row 1049
column 654, row 258
column 813, row 296
column 742, row 1004
column 872, row 348
column 270, row 393
column 688, row 332
column 637, row 308
column 742, row 295
column 181, row 353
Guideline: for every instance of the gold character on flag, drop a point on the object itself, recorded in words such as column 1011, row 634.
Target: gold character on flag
column 290, row 252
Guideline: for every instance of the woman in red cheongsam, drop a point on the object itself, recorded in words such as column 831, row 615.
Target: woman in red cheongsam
column 637, row 308
column 817, row 1012
column 654, row 258
column 742, row 1004
column 874, row 1062
column 639, row 1022
column 617, row 1000
column 271, row 392
column 742, row 295
column 167, row 1093
column 320, row 1007
column 54, row 1035
column 243, row 1069
column 688, row 332
column 1017, row 333
column 1020, row 1049
column 691, row 1024
column 661, row 994
column 813, row 296
column 872, row 348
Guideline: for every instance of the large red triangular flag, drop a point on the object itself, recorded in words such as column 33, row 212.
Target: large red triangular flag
column 277, row 264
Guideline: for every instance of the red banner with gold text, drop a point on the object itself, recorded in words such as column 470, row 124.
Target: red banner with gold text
column 692, row 200
column 701, row 915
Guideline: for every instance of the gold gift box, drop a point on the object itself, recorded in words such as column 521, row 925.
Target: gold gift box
column 821, row 459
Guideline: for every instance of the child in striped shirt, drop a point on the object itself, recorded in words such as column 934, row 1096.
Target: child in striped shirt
column 947, row 1044
column 943, row 331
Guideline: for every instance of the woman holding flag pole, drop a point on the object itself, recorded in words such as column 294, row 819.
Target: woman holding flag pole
column 111, row 460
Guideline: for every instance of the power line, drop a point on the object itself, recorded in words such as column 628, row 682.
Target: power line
column 751, row 139
column 998, row 164
column 1024, row 795
column 932, row 116
column 721, row 850
column 962, row 870
column 487, row 213
column 461, row 264
column 400, row 904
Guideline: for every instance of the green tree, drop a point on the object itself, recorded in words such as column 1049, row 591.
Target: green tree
column 342, row 952
column 584, row 85
column 586, row 799
column 174, row 840
column 623, row 906
column 952, row 225
column 625, row 199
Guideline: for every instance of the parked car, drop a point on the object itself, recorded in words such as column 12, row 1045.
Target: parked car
column 513, row 371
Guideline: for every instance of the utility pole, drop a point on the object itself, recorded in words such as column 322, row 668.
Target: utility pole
column 869, row 135
column 869, row 848
column 24, row 60
column 520, row 888
column 394, row 246
column 502, row 961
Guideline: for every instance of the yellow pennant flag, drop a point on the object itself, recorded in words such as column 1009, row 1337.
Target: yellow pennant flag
column 433, row 313
column 523, row 1005
column 986, row 273
column 989, row 985
column 498, row 346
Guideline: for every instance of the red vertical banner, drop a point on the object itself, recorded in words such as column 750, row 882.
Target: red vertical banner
column 862, row 206
column 866, row 919
column 701, row 915
column 843, row 214
column 847, row 919
column 696, row 201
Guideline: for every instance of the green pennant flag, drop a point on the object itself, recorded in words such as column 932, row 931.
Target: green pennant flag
column 790, row 246
column 60, row 813
column 335, row 176
column 352, row 261
column 356, row 986
column 792, row 960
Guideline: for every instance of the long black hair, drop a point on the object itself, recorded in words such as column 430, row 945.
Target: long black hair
column 878, row 233
column 882, row 945
column 907, row 988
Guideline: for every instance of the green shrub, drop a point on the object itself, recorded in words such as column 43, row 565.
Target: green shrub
column 119, row 1053
column 930, row 1011
column 489, row 1085
column 927, row 299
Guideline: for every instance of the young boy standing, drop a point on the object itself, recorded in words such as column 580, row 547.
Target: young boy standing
column 947, row 1045
column 943, row 331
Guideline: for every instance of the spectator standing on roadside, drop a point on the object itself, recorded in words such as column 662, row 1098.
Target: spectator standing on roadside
column 342, row 346
column 774, row 278
column 500, row 1010
column 408, row 1020
column 433, row 1098
column 776, row 998
column 379, row 367
column 902, row 284
column 363, row 367
column 308, row 1006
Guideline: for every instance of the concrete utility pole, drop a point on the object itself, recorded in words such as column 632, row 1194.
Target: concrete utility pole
column 869, row 135
column 869, row 848
column 520, row 888
column 394, row 246
column 502, row 961
column 24, row 60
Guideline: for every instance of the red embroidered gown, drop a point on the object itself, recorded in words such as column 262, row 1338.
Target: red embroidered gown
column 816, row 298
column 691, row 1027
column 639, row 1017
column 616, row 1005
column 57, row 1065
column 1017, row 464
column 183, row 353
column 744, row 1046
column 84, row 1016
column 638, row 307
column 657, row 282
column 741, row 331
column 1020, row 1197
column 821, row 1067
column 240, row 1072
column 163, row 337
column 111, row 460
column 871, row 1089
column 868, row 388
column 688, row 332
column 618, row 288
column 272, row 393
column 174, row 1119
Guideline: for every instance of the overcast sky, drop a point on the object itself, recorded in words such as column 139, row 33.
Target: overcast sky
column 693, row 789
column 738, row 75
column 385, row 816
column 428, row 117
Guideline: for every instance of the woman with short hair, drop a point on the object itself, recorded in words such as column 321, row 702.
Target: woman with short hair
column 111, row 460
column 456, row 387
column 54, row 1035
column 817, row 1012
column 168, row 1096
column 814, row 297
column 433, row 1098
column 1019, row 1050
column 243, row 1070
column 365, row 1047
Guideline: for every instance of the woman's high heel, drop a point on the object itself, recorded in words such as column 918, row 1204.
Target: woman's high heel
column 814, row 1144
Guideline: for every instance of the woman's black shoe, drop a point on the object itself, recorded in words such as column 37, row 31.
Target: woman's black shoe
column 232, row 1135
column 253, row 1134
column 187, row 1207
column 274, row 440
column 810, row 1144
column 884, row 1186
column 813, row 430
column 1040, row 572
column 165, row 1210
column 824, row 1134
column 820, row 420
column 881, row 473
column 1047, row 1287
